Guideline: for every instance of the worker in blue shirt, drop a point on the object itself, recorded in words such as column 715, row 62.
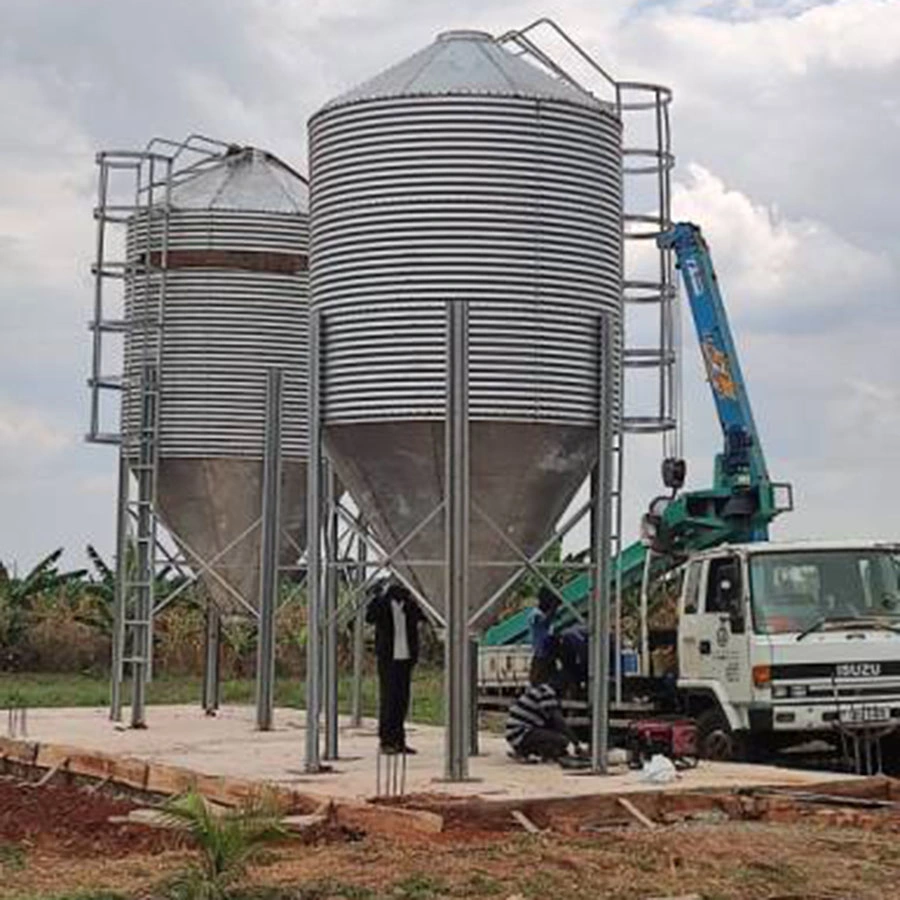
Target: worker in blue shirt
column 573, row 659
column 543, row 639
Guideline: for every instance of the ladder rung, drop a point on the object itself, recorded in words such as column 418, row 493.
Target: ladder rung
column 135, row 660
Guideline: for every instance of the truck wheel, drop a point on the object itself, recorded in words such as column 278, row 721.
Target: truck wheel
column 717, row 740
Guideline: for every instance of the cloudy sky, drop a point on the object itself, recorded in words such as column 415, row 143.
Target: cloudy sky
column 787, row 133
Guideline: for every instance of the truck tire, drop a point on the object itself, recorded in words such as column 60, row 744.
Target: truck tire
column 716, row 739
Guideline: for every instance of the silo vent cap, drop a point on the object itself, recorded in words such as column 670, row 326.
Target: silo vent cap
column 463, row 34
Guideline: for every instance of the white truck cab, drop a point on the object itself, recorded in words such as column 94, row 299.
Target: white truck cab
column 778, row 642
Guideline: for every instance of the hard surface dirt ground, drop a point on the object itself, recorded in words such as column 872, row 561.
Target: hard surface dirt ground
column 56, row 841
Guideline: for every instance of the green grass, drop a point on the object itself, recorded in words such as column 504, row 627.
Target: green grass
column 12, row 856
column 77, row 895
column 419, row 886
column 48, row 689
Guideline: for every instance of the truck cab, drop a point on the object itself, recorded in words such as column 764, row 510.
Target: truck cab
column 779, row 643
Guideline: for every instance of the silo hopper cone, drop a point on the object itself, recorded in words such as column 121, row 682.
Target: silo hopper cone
column 523, row 476
column 211, row 505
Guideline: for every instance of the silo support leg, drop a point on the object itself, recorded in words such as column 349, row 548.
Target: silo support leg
column 269, row 554
column 211, row 668
column 313, row 761
column 358, row 638
column 456, row 552
column 473, row 698
column 330, row 648
column 601, row 539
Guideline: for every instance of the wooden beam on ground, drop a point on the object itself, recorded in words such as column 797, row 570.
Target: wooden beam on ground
column 390, row 821
column 525, row 822
column 633, row 811
column 96, row 788
column 62, row 764
column 679, row 897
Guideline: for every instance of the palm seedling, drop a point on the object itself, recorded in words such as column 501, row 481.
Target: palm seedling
column 227, row 841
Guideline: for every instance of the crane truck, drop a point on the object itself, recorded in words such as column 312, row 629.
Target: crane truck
column 774, row 643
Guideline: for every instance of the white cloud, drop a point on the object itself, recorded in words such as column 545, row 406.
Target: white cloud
column 797, row 110
column 848, row 34
column 867, row 415
column 27, row 439
column 776, row 269
column 46, row 184
column 103, row 486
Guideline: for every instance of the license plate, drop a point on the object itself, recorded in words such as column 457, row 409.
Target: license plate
column 860, row 715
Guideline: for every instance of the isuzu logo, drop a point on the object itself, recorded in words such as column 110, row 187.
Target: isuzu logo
column 858, row 670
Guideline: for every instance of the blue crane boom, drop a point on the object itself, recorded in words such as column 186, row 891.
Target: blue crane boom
column 742, row 462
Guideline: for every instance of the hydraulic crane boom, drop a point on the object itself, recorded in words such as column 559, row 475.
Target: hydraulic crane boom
column 741, row 476
column 716, row 342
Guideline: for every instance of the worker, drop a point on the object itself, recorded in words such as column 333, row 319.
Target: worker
column 573, row 657
column 536, row 726
column 543, row 639
column 396, row 617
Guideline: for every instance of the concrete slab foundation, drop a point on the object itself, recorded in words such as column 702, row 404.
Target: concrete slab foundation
column 228, row 745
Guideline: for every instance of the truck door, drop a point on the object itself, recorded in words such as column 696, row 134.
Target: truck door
column 689, row 659
column 723, row 629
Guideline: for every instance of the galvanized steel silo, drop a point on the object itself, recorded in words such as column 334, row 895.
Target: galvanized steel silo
column 235, row 303
column 464, row 173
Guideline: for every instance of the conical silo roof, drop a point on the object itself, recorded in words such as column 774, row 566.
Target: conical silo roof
column 245, row 178
column 464, row 62
column 464, row 174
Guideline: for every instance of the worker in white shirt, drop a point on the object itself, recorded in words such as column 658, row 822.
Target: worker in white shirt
column 396, row 617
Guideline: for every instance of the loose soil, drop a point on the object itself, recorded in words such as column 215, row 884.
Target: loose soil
column 56, row 840
column 72, row 822
column 734, row 861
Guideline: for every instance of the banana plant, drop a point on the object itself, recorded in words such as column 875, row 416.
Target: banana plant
column 17, row 596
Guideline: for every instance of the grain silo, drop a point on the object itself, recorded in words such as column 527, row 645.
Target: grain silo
column 233, row 251
column 464, row 173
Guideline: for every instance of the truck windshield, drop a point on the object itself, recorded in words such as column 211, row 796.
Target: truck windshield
column 792, row 592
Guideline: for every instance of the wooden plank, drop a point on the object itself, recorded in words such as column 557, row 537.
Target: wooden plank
column 303, row 823
column 679, row 897
column 150, row 818
column 130, row 772
column 106, row 767
column 98, row 786
column 827, row 799
column 632, row 810
column 51, row 772
column 387, row 820
column 213, row 787
column 21, row 752
column 49, row 755
column 169, row 780
column 524, row 821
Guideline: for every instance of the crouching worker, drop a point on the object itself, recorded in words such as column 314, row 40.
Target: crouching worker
column 536, row 726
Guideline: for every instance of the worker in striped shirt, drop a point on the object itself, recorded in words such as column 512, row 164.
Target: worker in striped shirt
column 536, row 726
